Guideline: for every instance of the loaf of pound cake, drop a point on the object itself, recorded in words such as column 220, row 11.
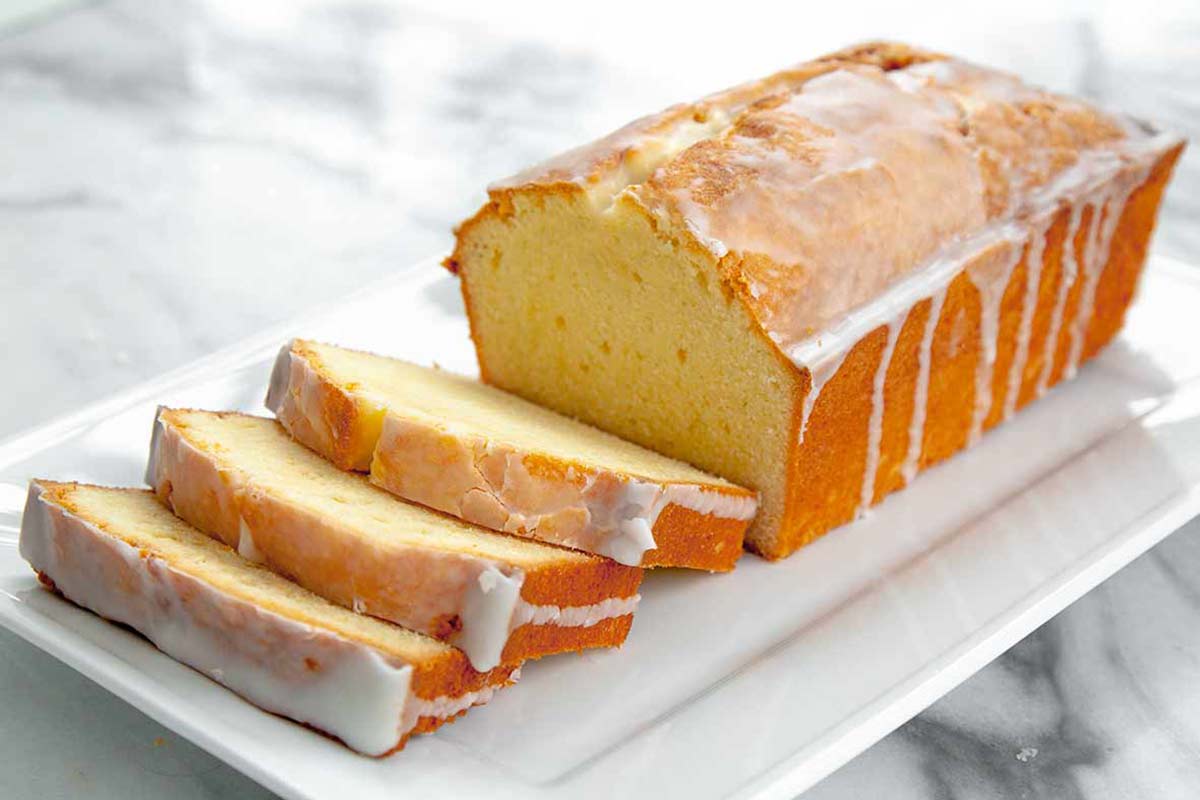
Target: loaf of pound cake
column 244, row 481
column 121, row 554
column 491, row 458
column 817, row 284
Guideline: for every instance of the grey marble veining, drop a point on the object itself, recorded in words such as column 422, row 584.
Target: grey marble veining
column 175, row 176
column 1100, row 702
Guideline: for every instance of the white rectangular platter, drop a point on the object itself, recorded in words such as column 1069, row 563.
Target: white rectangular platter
column 752, row 684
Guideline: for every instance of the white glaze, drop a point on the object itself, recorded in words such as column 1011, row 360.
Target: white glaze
column 807, row 219
column 494, row 609
column 991, row 284
column 1068, row 274
column 488, row 615
column 916, row 424
column 875, row 423
column 488, row 482
column 619, row 524
column 153, row 467
column 245, row 546
column 1103, row 178
column 1106, row 191
column 1033, row 280
column 575, row 616
column 626, row 525
column 819, row 374
column 280, row 382
column 991, row 281
column 360, row 694
column 446, row 706
column 1090, row 265
column 1099, row 249
column 705, row 501
column 1090, row 174
column 445, row 584
column 644, row 145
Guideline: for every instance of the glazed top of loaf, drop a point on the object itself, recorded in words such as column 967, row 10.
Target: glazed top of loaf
column 824, row 184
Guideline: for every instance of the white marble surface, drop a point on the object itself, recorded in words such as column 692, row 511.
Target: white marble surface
column 175, row 176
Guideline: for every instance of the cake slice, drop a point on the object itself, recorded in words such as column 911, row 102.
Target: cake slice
column 121, row 554
column 501, row 599
column 491, row 458
column 819, row 283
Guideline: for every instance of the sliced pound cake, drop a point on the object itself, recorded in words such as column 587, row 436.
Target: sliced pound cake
column 491, row 458
column 121, row 554
column 244, row 480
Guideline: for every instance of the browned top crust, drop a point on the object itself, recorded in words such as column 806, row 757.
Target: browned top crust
column 823, row 184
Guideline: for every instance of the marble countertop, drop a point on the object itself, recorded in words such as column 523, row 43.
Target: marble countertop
column 175, row 176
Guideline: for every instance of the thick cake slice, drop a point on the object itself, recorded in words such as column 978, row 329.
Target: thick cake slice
column 121, row 554
column 491, row 458
column 244, row 480
column 822, row 282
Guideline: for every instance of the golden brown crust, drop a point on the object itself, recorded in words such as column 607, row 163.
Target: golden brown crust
column 47, row 582
column 452, row 675
column 534, row 641
column 883, row 54
column 826, row 469
column 899, row 396
column 594, row 581
column 1118, row 283
column 687, row 538
column 424, row 725
column 340, row 415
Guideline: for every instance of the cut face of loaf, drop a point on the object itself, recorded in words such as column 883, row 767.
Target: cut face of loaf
column 820, row 283
column 121, row 554
column 501, row 599
column 496, row 460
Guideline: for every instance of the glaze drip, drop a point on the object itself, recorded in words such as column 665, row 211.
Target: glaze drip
column 1099, row 250
column 991, row 284
column 1070, row 271
column 819, row 375
column 991, row 273
column 1035, row 251
column 875, row 424
column 916, row 425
